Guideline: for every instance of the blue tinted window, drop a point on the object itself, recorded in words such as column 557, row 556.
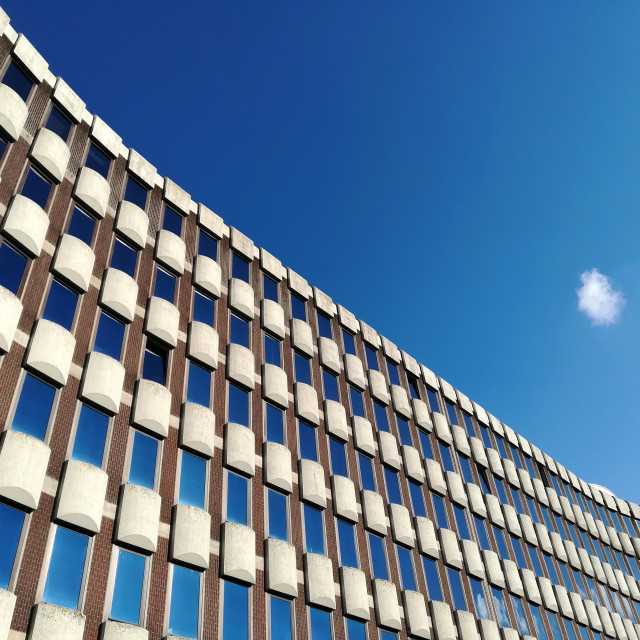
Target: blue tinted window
column 203, row 309
column 393, row 486
column 372, row 357
column 239, row 267
column 280, row 615
column 66, row 568
column 404, row 431
column 165, row 286
column 378, row 557
column 425, row 444
column 136, row 193
column 394, row 377
column 330, row 383
column 357, row 406
column 143, row 460
column 502, row 494
column 12, row 265
column 349, row 342
column 127, row 592
column 414, row 387
column 155, row 363
column 387, row 635
column 302, row 368
column 366, row 473
column 275, row 424
column 320, row 624
column 313, row 530
column 277, row 503
column 481, row 530
column 382, row 421
column 451, row 411
column 432, row 396
column 11, row 522
column 465, row 465
column 461, row 523
column 91, row 434
column 324, row 326
column 516, row 543
column 238, row 405
column 235, row 624
column 551, row 570
column 193, row 479
column 98, row 160
column 347, row 541
column 308, row 447
column 535, row 561
column 185, row 603
column 533, row 512
column 541, row 632
column 441, row 512
column 237, row 498
column 61, row 305
column 18, row 80
column 81, row 226
column 238, row 331
column 515, row 454
column 172, row 221
column 520, row 617
column 445, row 454
column 199, row 385
column 406, row 569
column 109, row 336
column 36, row 188
column 484, row 481
column 271, row 350
column 517, row 501
column 270, row 287
column 486, row 438
column 207, row 245
column 501, row 449
column 530, row 469
column 501, row 609
column 356, row 630
column 124, row 258
column 479, row 600
column 298, row 307
column 417, row 500
column 456, row 589
column 338, row 458
column 433, row 581
column 468, row 424
column 500, row 542
column 553, row 623
column 34, row 407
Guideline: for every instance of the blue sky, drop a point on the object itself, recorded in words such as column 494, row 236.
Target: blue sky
column 444, row 169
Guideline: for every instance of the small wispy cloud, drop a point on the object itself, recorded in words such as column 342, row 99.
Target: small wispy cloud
column 597, row 298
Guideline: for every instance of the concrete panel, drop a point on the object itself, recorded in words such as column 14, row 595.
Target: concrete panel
column 112, row 630
column 400, row 401
column 613, row 537
column 119, row 293
column 442, row 621
column 26, row 224
column 625, row 541
column 324, row 302
column 512, row 577
column 318, row 581
column 73, row 261
column 152, row 407
column 554, row 502
column 585, row 562
column 511, row 520
column 329, row 355
column 564, row 604
column 354, row 371
column 542, row 533
column 81, row 496
column 528, row 530
column 275, row 386
column 348, row 320
column 141, row 168
column 272, row 317
column 592, row 614
column 92, row 190
column 531, row 588
column 239, row 448
column 280, row 573
column 472, row 560
column 619, row 628
column 607, row 623
column 457, row 494
column 509, row 634
column 306, row 403
column 238, row 552
column 450, row 546
column 301, row 336
column 210, row 221
column 373, row 512
column 442, row 428
column 597, row 569
column 363, row 436
column 51, row 153
column 385, row 598
column 241, row 366
column 23, row 466
column 401, row 528
column 495, row 575
column 558, row 548
column 495, row 462
column 190, row 536
column 202, row 344
column 298, row 284
column 447, row 390
column 540, row 489
column 410, row 364
column 632, row 585
column 177, row 196
column 344, row 498
column 13, row 112
column 162, row 320
column 50, row 351
column 102, row 382
column 510, row 472
column 369, row 335
column 579, row 611
column 476, row 500
column 138, row 518
column 489, row 630
column 413, row 468
column 170, row 251
column 390, row 350
column 548, row 594
column 378, row 386
column 197, row 429
column 478, row 452
column 421, row 414
column 106, row 136
column 465, row 403
column 435, row 477
column 525, row 483
column 10, row 312
column 271, row 265
column 428, row 543
column 461, row 440
column 312, row 483
column 467, row 626
column 241, row 243
column 7, row 606
column 494, row 511
column 66, row 98
column 389, row 452
column 241, row 298
column 50, row 622
column 572, row 555
column 353, row 588
column 207, row 275
column 429, row 377
column 335, row 420
column 567, row 511
column 277, row 466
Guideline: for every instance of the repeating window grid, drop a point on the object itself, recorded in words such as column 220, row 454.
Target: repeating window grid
column 14, row 267
column 34, row 406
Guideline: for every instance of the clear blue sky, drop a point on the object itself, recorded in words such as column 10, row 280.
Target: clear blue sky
column 444, row 169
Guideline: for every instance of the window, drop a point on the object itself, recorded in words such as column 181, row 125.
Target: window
column 275, row 424
column 11, row 524
column 320, row 623
column 479, row 600
column 238, row 499
column 553, row 623
column 330, row 383
column 271, row 350
column 501, row 609
column 36, row 187
column 280, row 618
column 302, row 368
column 12, row 266
column 387, row 635
column 481, row 530
column 535, row 561
column 203, row 309
column 393, row 486
column 18, row 80
column 432, row 396
column 109, row 336
column 447, row 460
column 501, row 544
column 172, row 221
column 433, row 581
column 199, row 385
column 349, row 342
column 298, row 307
column 34, row 407
column 502, row 494
column 457, row 594
column 404, row 431
column 98, row 160
column 207, row 245
column 136, row 193
column 486, row 438
column 347, row 543
column 356, row 630
column 551, row 570
column 124, row 258
column 193, row 480
column 441, row 512
column 165, row 286
column 451, row 412
column 66, row 568
column 357, row 406
column 239, row 267
column 516, row 543
column 269, row 288
column 405, row 563
column 308, row 445
column 417, row 499
column 468, row 424
column 238, row 330
column 235, row 612
column 313, row 530
column 425, row 444
column 394, row 376
column 461, row 523
column 127, row 591
column 324, row 326
column 382, row 420
column 144, row 455
column 338, row 458
column 238, row 405
column 61, row 305
column 515, row 494
column 156, row 362
column 501, row 449
column 378, row 557
column 366, row 473
column 185, row 602
column 520, row 617
column 372, row 357
column 277, row 512
column 81, row 226
column 465, row 465
column 91, row 435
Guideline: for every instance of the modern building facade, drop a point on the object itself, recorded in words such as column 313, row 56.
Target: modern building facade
column 196, row 443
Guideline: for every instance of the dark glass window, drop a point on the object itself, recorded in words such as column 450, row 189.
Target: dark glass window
column 366, row 473
column 530, row 468
column 456, row 589
column 127, row 592
column 81, row 225
column 486, row 438
column 338, row 458
column 66, row 568
column 238, row 330
column 393, row 486
column 237, row 499
column 378, row 557
column 501, row 544
column 271, row 350
column 533, row 512
column 394, row 376
column 238, row 405
column 324, row 326
column 91, row 435
column 515, row 494
column 461, row 523
column 387, row 635
column 451, row 412
column 382, row 420
column 535, row 561
column 551, row 570
column 407, row 578
column 515, row 454
column 481, row 530
column 136, row 193
column 308, row 446
column 61, row 305
column 417, row 499
column 425, row 443
column 433, row 581
column 34, row 407
column 12, row 266
column 207, row 245
column 185, row 603
column 155, row 365
column 199, row 385
column 357, row 406
column 484, row 480
column 109, row 336
column 235, row 599
column 203, row 309
column 516, row 543
column 468, row 424
column 502, row 494
column 275, row 424
column 298, row 307
column 320, row 624
column 414, row 387
column 270, row 288
column 172, row 221
column 356, row 630
column 98, row 160
column 239, row 267
column 347, row 541
column 330, row 383
column 445, row 454
column 193, row 480
column 432, row 396
column 302, row 368
column 541, row 632
column 479, row 600
column 313, row 530
column 501, row 609
column 11, row 523
column 165, row 286
column 465, row 465
column 143, row 460
column 441, row 512
column 36, row 188
column 3, row 147
column 349, row 342
column 404, row 431
column 372, row 357
column 553, row 623
column 18, row 80
column 280, row 618
column 501, row 450
column 124, row 258
column 277, row 503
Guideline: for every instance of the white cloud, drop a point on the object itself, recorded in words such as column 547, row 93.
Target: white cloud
column 597, row 298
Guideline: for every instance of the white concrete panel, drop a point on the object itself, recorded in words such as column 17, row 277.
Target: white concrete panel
column 457, row 494
column 512, row 577
column 197, row 429
column 335, row 420
column 461, row 440
column 51, row 153
column 489, row 630
column 92, row 190
column 73, row 261
column 141, row 168
column 240, row 243
column 119, row 293
column 428, row 543
column 378, row 387
column 400, row 401
column 442, row 621
column 531, row 589
column 429, row 377
column 354, row 371
column 385, row 598
column 240, row 448
column 112, row 630
column 10, row 312
column 564, row 604
column 152, row 407
column 447, row 390
column 272, row 317
column 210, row 221
column 324, row 302
column 329, row 355
column 275, row 386
column 25, row 223
column 421, row 414
column 478, row 452
column 472, row 559
column 280, row 575
column 277, row 466
column 390, row 350
column 271, row 265
column 68, row 99
column 106, row 136
column 542, row 533
column 241, row 298
column 511, row 520
column 435, row 477
column 190, row 536
column 138, row 519
column 348, row 320
column 495, row 462
column 494, row 511
column 476, row 500
column 7, row 606
column 401, row 528
column 344, row 498
column 241, row 367
column 301, row 336
column 170, row 251
column 312, row 483
column 353, row 588
column 207, row 275
column 102, row 382
column 373, row 512
column 592, row 614
column 363, row 436
column 415, row 614
column 413, row 463
column 202, row 344
column 389, row 452
column 177, row 196
column 495, row 575
column 442, row 428
column 318, row 581
column 50, row 351
column 450, row 547
column 162, row 321
column 306, row 403
column 50, row 622
column 298, row 284
column 238, row 553
column 528, row 530
column 547, row 593
column 13, row 112
column 579, row 612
